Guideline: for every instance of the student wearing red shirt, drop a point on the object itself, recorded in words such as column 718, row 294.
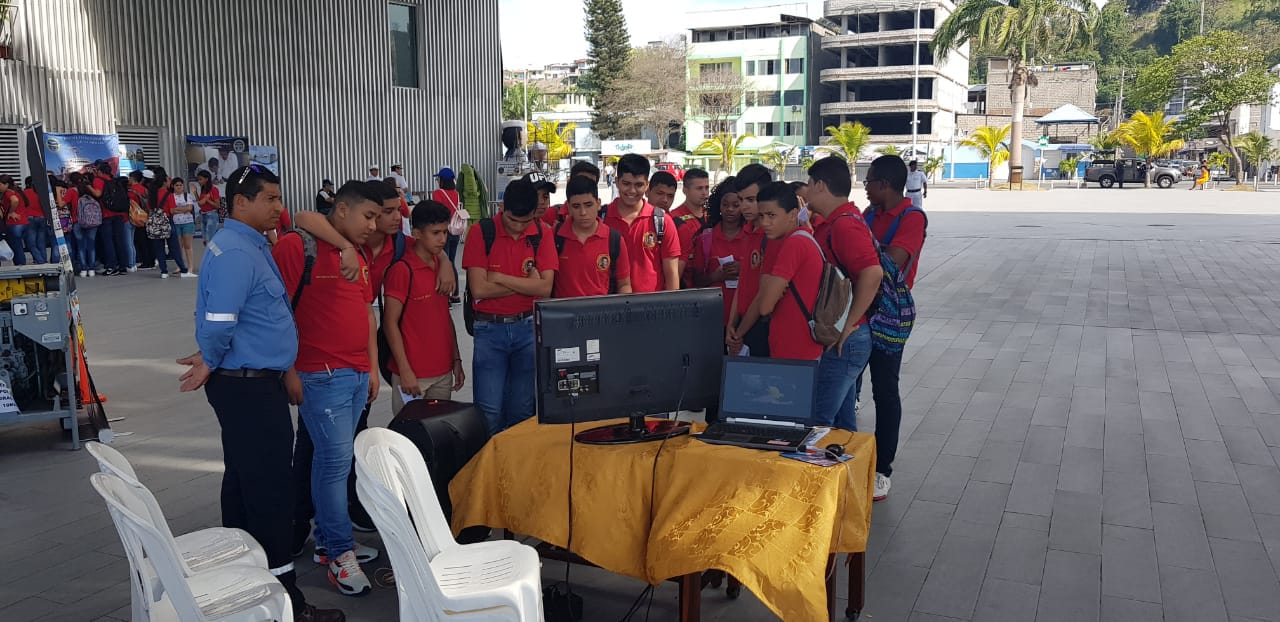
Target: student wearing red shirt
column 504, row 280
column 336, row 350
column 85, row 235
column 37, row 236
column 720, row 252
column 559, row 214
column 900, row 229
column 116, row 239
column 447, row 195
column 394, row 184
column 140, row 249
column 586, row 268
column 12, row 201
column 662, row 191
column 425, row 359
column 210, row 203
column 655, row 264
column 691, row 216
column 795, row 271
column 159, row 199
column 846, row 244
column 545, row 189
column 747, row 185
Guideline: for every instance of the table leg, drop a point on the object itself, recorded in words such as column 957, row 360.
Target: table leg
column 691, row 597
column 831, row 586
column 857, row 584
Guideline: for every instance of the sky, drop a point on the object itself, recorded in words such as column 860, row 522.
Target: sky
column 535, row 33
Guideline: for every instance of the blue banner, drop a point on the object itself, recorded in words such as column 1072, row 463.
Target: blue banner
column 80, row 153
column 217, row 155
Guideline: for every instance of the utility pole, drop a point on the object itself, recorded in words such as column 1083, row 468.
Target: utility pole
column 525, row 91
column 915, row 86
column 1202, row 17
column 1119, row 113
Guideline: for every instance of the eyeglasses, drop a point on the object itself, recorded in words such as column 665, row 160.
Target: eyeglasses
column 254, row 168
column 869, row 181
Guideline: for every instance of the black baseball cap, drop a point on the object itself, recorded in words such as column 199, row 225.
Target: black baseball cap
column 539, row 181
column 520, row 198
column 327, row 182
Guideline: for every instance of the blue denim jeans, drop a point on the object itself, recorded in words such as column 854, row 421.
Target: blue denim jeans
column 174, row 252
column 37, row 239
column 837, row 381
column 503, row 373
column 17, row 242
column 211, row 224
column 130, row 245
column 116, row 242
column 86, row 246
column 331, row 407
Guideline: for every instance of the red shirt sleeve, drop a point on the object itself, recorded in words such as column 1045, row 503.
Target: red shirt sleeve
column 473, row 252
column 910, row 234
column 547, row 258
column 670, row 243
column 404, row 208
column 396, row 284
column 169, row 204
column 290, row 259
column 851, row 243
column 789, row 258
column 552, row 215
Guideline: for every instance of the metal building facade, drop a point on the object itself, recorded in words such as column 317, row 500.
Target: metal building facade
column 310, row 77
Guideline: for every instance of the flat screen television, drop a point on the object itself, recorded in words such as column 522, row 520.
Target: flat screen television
column 632, row 355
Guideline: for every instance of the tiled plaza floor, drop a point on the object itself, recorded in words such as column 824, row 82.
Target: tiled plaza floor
column 1091, row 429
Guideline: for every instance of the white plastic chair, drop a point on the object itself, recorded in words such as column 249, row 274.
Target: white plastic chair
column 229, row 593
column 198, row 551
column 437, row 578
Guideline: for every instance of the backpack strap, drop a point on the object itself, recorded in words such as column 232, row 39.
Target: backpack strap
column 398, row 247
column 536, row 240
column 893, row 227
column 791, row 285
column 560, row 242
column 835, row 257
column 308, row 264
column 489, row 233
column 615, row 249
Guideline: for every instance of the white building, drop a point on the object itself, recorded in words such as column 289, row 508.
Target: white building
column 876, row 73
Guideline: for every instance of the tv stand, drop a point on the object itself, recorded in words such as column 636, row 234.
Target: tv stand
column 637, row 429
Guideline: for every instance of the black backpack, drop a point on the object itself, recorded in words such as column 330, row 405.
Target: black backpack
column 115, row 197
column 308, row 264
column 615, row 249
column 489, row 232
column 384, row 347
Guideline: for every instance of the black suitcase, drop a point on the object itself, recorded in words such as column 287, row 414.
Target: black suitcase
column 448, row 434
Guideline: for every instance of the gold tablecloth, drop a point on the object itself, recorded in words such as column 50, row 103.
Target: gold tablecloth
column 767, row 520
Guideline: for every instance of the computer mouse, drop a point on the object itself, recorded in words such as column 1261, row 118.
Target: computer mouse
column 835, row 450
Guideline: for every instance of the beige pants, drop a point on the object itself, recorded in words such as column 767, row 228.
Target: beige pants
column 438, row 388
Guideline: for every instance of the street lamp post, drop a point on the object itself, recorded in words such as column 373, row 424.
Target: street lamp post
column 915, row 86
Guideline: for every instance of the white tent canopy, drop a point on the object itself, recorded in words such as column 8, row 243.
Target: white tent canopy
column 1067, row 114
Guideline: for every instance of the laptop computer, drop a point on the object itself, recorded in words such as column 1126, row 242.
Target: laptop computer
column 765, row 404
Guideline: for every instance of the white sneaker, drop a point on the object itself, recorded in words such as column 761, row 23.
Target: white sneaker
column 164, row 275
column 346, row 575
column 189, row 275
column 133, row 268
column 92, row 273
column 882, row 487
column 364, row 554
column 84, row 273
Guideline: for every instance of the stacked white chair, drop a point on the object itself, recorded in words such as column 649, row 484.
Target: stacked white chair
column 197, row 551
column 227, row 593
column 437, row 578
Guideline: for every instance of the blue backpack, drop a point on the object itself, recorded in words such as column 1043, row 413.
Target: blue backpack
column 893, row 314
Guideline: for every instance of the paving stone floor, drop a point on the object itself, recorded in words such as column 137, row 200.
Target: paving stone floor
column 1091, row 429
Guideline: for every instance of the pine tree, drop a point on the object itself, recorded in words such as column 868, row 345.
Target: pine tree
column 609, row 48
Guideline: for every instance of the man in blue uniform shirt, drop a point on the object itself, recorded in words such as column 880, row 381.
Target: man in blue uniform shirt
column 248, row 344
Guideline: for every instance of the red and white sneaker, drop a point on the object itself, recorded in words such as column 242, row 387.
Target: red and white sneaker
column 346, row 575
column 882, row 487
column 364, row 554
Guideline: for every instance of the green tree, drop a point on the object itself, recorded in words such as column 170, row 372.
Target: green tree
column 513, row 101
column 1179, row 20
column 609, row 47
column 1258, row 149
column 724, row 145
column 850, row 139
column 889, row 150
column 932, row 165
column 1106, row 142
column 991, row 142
column 1150, row 136
column 1223, row 70
column 1023, row 31
column 777, row 157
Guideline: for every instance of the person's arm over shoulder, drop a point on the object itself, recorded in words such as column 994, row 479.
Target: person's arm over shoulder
column 225, row 285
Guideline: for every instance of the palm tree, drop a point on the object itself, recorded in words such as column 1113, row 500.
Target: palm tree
column 1024, row 32
column 932, row 165
column 725, row 145
column 559, row 140
column 1106, row 142
column 892, row 150
column 777, row 157
column 990, row 142
column 1148, row 135
column 851, row 139
column 1257, row 148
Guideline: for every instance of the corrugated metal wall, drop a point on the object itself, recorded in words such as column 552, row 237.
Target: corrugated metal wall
column 311, row 77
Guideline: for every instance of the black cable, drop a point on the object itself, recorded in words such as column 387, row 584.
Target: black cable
column 635, row 604
column 653, row 475
column 568, row 545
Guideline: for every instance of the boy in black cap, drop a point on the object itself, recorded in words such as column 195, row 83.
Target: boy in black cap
column 545, row 189
column 510, row 262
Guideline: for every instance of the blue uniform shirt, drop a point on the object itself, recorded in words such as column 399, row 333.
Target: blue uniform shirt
column 243, row 318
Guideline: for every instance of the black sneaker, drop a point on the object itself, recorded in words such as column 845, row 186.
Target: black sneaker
column 360, row 519
column 310, row 614
column 110, row 272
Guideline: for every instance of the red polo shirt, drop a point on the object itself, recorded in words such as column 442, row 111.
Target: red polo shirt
column 333, row 314
column 689, row 227
column 711, row 245
column 286, row 223
column 32, row 207
column 378, row 264
column 555, row 214
column 641, row 240
column 512, row 256
column 910, row 234
column 585, row 266
column 749, row 272
column 209, row 199
column 99, row 185
column 71, row 198
column 846, row 242
column 799, row 262
column 426, row 327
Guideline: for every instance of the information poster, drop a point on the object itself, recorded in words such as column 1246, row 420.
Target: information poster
column 219, row 155
column 132, row 158
column 265, row 156
column 80, row 153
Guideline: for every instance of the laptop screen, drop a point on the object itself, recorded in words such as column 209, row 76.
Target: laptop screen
column 770, row 389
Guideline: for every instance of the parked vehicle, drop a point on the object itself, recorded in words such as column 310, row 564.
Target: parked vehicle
column 1103, row 172
column 676, row 170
